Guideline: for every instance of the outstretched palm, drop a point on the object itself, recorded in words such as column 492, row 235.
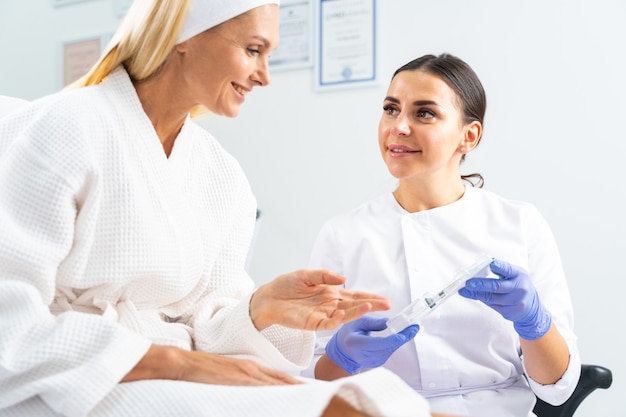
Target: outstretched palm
column 311, row 300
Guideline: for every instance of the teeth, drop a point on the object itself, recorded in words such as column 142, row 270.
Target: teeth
column 240, row 90
column 399, row 150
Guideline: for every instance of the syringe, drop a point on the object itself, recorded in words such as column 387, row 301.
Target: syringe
column 421, row 307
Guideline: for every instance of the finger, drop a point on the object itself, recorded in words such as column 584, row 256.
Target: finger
column 491, row 299
column 216, row 369
column 333, row 321
column 359, row 310
column 348, row 298
column 490, row 285
column 467, row 293
column 380, row 305
column 324, row 277
column 392, row 342
column 410, row 332
column 485, row 297
column 372, row 324
column 267, row 378
column 407, row 334
column 273, row 377
column 361, row 295
column 372, row 305
column 504, row 269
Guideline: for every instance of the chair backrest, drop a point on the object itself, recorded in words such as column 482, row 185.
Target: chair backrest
column 591, row 377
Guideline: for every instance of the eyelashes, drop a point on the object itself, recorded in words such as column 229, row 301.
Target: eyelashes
column 420, row 114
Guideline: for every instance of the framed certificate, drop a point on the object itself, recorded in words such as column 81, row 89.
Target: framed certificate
column 79, row 55
column 346, row 49
column 295, row 49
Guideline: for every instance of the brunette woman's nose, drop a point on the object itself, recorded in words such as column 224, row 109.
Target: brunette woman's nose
column 400, row 127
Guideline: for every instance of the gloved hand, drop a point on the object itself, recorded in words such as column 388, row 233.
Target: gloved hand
column 352, row 347
column 513, row 296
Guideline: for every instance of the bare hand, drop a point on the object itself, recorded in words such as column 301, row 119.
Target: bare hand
column 166, row 362
column 217, row 369
column 311, row 300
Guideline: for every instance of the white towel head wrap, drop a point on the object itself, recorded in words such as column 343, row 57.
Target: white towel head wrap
column 205, row 14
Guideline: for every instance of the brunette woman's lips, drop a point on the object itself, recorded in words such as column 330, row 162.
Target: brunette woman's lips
column 400, row 150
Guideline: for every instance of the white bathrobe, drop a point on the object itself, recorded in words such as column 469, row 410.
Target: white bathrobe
column 107, row 246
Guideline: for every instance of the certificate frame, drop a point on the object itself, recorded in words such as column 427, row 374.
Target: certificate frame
column 78, row 55
column 346, row 44
column 295, row 49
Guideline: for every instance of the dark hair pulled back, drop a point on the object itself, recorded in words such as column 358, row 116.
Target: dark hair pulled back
column 461, row 78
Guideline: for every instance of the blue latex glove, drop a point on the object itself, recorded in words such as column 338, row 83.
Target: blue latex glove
column 514, row 296
column 352, row 347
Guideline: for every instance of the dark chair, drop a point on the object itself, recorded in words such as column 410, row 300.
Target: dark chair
column 591, row 377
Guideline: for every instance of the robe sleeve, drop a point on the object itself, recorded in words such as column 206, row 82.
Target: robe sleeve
column 224, row 303
column 72, row 360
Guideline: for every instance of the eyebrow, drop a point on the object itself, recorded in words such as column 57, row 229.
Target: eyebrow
column 415, row 103
column 263, row 40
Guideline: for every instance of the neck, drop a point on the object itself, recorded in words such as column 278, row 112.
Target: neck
column 163, row 108
column 427, row 195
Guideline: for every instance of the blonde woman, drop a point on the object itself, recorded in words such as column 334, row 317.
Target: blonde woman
column 124, row 229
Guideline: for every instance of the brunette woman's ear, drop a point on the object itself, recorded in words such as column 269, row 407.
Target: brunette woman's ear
column 473, row 132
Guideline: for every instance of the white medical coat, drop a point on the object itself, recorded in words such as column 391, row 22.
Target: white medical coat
column 107, row 246
column 466, row 357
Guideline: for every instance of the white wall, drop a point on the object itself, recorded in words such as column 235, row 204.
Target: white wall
column 554, row 133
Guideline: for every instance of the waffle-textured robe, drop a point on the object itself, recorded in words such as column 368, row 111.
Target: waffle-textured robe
column 107, row 246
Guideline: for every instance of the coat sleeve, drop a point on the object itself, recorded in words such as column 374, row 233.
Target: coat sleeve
column 549, row 279
column 72, row 360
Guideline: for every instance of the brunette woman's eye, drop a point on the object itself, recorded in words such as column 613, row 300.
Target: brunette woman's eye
column 254, row 51
column 425, row 114
column 388, row 109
